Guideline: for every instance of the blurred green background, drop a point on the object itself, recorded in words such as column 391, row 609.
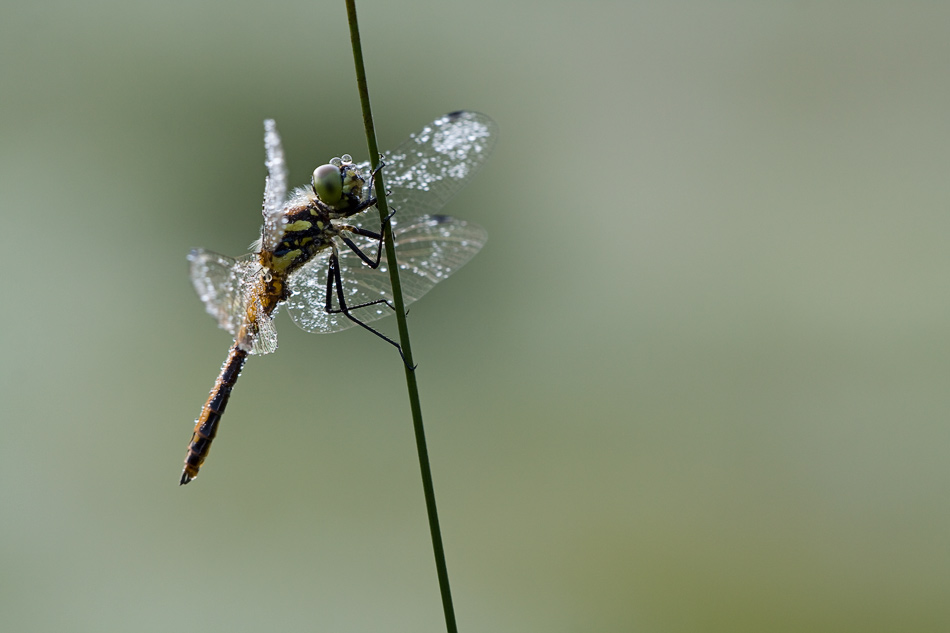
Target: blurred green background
column 696, row 381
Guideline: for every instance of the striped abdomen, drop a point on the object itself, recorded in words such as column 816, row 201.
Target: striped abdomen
column 207, row 423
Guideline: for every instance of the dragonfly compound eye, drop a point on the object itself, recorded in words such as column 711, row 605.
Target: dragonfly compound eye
column 328, row 184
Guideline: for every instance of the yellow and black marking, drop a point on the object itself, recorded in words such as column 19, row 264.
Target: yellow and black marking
column 307, row 232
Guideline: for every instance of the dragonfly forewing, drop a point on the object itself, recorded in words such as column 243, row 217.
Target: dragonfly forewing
column 425, row 171
column 275, row 188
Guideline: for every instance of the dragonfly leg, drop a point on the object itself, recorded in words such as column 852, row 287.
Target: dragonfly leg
column 372, row 262
column 335, row 282
column 379, row 166
column 373, row 235
column 372, row 178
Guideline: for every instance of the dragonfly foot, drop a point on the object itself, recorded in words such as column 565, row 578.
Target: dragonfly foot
column 403, row 357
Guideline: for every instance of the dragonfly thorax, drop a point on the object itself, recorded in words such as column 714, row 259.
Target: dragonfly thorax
column 308, row 230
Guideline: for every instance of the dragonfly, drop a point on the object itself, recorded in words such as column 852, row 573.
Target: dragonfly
column 315, row 254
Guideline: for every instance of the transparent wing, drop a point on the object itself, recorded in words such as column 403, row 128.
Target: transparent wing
column 429, row 168
column 307, row 302
column 221, row 284
column 275, row 187
column 263, row 337
column 429, row 249
column 226, row 287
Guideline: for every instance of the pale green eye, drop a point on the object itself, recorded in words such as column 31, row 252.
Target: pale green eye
column 328, row 183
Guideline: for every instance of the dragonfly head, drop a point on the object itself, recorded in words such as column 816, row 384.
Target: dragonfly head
column 338, row 184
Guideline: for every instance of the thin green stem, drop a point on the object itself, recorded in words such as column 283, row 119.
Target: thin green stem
column 400, row 307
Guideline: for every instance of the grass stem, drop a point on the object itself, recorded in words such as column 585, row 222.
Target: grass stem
column 399, row 304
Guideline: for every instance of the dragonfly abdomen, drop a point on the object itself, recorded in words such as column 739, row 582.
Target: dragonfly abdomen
column 206, row 426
